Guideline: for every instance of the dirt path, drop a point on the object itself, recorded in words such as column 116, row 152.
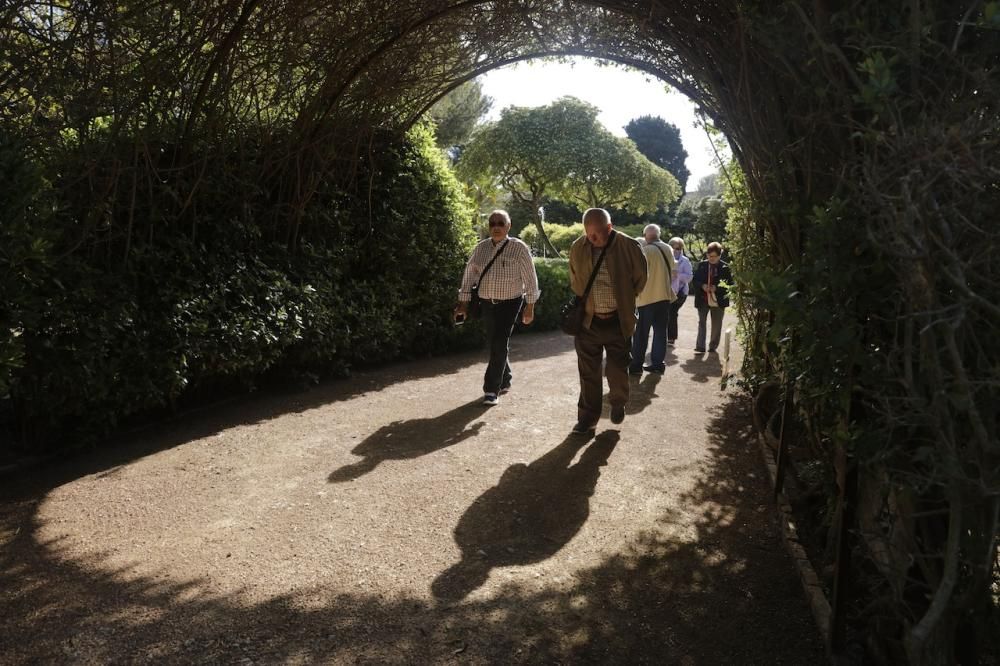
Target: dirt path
column 392, row 519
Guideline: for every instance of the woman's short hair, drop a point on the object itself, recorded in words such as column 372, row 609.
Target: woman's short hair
column 676, row 242
column 714, row 247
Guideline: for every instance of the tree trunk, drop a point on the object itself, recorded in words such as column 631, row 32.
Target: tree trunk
column 541, row 231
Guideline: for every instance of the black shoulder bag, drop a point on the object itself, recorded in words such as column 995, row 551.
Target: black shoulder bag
column 574, row 312
column 475, row 307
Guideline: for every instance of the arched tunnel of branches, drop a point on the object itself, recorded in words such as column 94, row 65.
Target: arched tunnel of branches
column 200, row 193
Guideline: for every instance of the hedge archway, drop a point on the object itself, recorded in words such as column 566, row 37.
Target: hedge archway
column 867, row 135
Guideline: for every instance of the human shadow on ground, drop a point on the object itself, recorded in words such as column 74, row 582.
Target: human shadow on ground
column 671, row 357
column 532, row 512
column 404, row 440
column 703, row 367
column 127, row 446
column 715, row 587
column 642, row 393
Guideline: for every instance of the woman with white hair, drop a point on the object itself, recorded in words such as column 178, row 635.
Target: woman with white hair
column 682, row 278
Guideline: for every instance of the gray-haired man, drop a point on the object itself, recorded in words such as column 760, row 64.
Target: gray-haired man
column 509, row 283
column 654, row 304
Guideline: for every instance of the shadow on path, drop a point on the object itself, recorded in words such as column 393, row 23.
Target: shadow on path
column 703, row 367
column 718, row 589
column 128, row 446
column 528, row 516
column 671, row 357
column 643, row 392
column 405, row 440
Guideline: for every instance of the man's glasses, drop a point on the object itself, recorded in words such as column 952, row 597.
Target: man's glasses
column 498, row 223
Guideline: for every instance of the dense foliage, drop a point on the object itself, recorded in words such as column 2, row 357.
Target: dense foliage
column 704, row 217
column 553, row 280
column 562, row 150
column 660, row 142
column 456, row 115
column 93, row 343
column 865, row 305
column 176, row 179
column 562, row 235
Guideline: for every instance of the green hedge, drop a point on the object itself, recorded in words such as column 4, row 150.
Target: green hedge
column 553, row 280
column 89, row 342
column 562, row 236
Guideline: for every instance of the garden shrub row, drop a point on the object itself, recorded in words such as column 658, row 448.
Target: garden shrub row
column 87, row 342
column 562, row 236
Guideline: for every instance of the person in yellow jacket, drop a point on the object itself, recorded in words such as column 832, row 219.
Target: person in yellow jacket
column 610, row 314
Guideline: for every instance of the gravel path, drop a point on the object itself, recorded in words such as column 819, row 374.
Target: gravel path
column 392, row 519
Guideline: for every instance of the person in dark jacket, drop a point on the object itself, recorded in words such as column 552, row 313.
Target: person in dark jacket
column 710, row 282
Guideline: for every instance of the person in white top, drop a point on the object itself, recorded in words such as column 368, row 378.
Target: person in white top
column 654, row 304
column 508, row 284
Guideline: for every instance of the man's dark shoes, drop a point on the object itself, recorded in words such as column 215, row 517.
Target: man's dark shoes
column 699, row 351
column 635, row 372
column 583, row 428
column 617, row 415
column 649, row 368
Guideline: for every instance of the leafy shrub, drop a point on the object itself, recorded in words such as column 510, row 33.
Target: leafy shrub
column 553, row 280
column 90, row 342
column 562, row 236
column 631, row 230
column 24, row 202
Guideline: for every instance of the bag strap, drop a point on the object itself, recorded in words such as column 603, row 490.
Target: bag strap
column 670, row 275
column 481, row 275
column 593, row 273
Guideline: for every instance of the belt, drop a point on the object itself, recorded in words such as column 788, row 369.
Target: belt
column 606, row 315
column 499, row 301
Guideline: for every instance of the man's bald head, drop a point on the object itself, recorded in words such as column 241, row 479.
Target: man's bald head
column 597, row 226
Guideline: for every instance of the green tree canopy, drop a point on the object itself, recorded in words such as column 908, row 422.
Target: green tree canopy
column 660, row 142
column 457, row 113
column 711, row 185
column 608, row 171
column 562, row 150
column 528, row 151
column 710, row 218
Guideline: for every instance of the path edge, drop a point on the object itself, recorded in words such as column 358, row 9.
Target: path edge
column 818, row 603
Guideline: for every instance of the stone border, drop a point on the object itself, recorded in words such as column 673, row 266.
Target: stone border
column 818, row 602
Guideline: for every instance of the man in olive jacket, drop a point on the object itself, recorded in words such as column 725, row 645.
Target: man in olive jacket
column 610, row 314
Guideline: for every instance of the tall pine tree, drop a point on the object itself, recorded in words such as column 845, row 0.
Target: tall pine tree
column 660, row 142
